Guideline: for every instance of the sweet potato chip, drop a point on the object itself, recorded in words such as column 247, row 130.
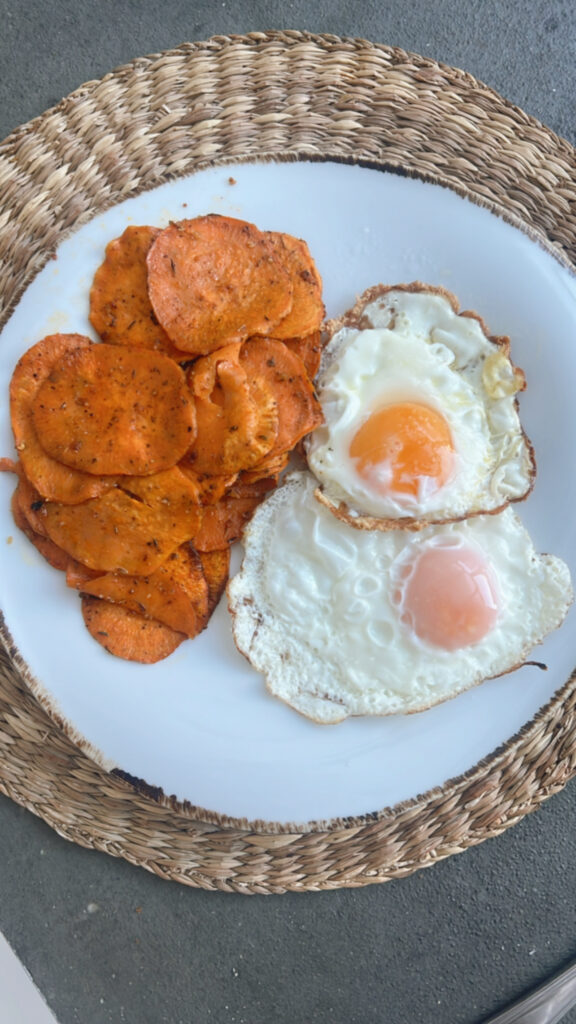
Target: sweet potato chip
column 128, row 634
column 28, row 513
column 212, row 533
column 124, row 531
column 237, row 418
column 307, row 310
column 176, row 593
column 171, row 492
column 204, row 373
column 54, row 555
column 247, row 488
column 213, row 280
column 120, row 309
column 106, row 409
column 210, row 488
column 216, row 567
column 52, row 479
column 28, row 510
column 299, row 412
column 31, row 504
column 309, row 349
column 223, row 523
column 78, row 575
column 270, row 469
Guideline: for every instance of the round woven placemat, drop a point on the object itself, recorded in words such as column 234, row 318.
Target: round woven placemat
column 277, row 95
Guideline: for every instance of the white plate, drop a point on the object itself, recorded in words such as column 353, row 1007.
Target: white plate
column 200, row 725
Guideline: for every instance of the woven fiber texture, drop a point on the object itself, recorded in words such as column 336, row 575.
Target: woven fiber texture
column 272, row 96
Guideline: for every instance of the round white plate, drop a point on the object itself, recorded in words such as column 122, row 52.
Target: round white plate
column 200, row 724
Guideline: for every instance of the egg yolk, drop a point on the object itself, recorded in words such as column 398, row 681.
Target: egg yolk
column 451, row 597
column 405, row 448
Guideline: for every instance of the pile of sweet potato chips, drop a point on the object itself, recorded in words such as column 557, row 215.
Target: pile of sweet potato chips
column 142, row 456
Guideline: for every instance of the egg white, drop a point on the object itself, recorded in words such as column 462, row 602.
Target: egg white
column 314, row 610
column 414, row 346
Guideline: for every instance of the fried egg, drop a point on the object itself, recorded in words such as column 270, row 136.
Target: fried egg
column 344, row 622
column 421, row 420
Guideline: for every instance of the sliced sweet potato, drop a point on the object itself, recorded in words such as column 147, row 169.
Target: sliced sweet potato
column 124, row 531
column 213, row 280
column 269, row 468
column 299, row 412
column 186, row 581
column 309, row 349
column 223, row 523
column 28, row 513
column 31, row 504
column 307, row 310
column 77, row 575
column 171, row 492
column 248, row 488
column 237, row 418
column 53, row 480
column 54, row 555
column 105, row 409
column 210, row 488
column 204, row 373
column 120, row 308
column 216, row 567
column 128, row 634
column 212, row 532
column 176, row 593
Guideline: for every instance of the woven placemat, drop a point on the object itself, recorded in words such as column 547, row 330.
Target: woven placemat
column 277, row 95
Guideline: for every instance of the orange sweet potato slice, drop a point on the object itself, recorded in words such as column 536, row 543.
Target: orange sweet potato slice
column 212, row 532
column 237, row 418
column 176, row 593
column 210, row 488
column 171, row 492
column 53, row 480
column 214, row 280
column 127, row 634
column 223, row 523
column 28, row 513
column 120, row 308
column 106, row 409
column 299, row 411
column 54, row 555
column 247, row 488
column 270, row 469
column 307, row 310
column 126, row 531
column 31, row 504
column 77, row 575
column 309, row 349
column 216, row 568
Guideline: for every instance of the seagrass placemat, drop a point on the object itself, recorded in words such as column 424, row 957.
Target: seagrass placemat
column 276, row 95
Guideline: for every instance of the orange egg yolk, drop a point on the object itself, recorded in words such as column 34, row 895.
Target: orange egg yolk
column 405, row 448
column 451, row 597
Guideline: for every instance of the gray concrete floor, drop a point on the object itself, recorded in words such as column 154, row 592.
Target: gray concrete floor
column 107, row 942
